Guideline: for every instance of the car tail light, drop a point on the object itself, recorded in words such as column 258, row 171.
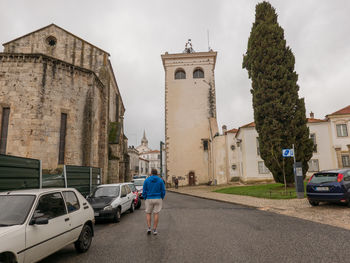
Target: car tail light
column 340, row 177
column 310, row 178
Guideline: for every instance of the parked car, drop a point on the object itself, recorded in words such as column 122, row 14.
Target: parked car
column 36, row 223
column 329, row 186
column 140, row 176
column 137, row 198
column 109, row 201
column 139, row 185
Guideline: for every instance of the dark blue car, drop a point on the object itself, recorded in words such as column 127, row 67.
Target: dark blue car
column 329, row 186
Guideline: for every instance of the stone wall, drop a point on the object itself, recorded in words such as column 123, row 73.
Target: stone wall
column 118, row 169
column 68, row 47
column 73, row 50
column 38, row 89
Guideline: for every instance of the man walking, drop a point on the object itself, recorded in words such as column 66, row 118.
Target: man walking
column 153, row 193
column 176, row 183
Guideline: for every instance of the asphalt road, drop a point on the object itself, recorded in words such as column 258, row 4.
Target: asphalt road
column 197, row 230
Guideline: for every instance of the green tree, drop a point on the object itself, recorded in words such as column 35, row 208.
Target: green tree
column 279, row 113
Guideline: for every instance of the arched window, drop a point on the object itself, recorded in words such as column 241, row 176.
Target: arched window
column 198, row 73
column 180, row 74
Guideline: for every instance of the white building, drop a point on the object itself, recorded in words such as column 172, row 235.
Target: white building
column 143, row 166
column 153, row 158
column 147, row 159
column 339, row 127
column 144, row 145
column 331, row 148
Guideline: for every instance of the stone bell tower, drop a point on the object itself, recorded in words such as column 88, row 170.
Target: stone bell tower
column 190, row 115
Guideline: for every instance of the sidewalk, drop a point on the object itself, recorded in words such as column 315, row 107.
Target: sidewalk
column 330, row 214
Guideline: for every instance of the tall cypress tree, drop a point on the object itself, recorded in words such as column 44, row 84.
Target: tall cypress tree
column 279, row 113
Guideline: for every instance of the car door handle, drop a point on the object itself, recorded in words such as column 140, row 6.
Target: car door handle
column 66, row 219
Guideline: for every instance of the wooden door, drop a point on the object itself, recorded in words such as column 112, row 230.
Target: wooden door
column 191, row 178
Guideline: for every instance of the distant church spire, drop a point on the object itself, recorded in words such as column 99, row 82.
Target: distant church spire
column 144, row 140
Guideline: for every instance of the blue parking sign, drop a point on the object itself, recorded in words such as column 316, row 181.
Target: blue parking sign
column 287, row 152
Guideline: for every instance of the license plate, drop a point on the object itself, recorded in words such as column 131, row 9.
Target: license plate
column 322, row 188
column 97, row 214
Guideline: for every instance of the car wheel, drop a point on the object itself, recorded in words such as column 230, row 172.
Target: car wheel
column 83, row 243
column 314, row 203
column 7, row 258
column 117, row 215
column 138, row 204
column 132, row 207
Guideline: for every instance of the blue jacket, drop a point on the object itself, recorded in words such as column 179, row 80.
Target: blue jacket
column 153, row 188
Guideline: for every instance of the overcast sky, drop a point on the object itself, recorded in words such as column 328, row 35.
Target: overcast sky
column 137, row 32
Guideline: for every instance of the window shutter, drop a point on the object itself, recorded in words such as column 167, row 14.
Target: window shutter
column 62, row 142
column 4, row 129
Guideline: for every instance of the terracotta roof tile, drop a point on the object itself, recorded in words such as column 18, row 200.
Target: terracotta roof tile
column 312, row 120
column 251, row 124
column 232, row 131
column 345, row 110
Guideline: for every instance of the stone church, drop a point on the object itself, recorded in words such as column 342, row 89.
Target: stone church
column 60, row 103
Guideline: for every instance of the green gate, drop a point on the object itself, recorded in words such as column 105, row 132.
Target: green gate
column 24, row 173
column 19, row 173
column 84, row 179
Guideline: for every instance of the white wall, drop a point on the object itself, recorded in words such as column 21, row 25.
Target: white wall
column 220, row 162
column 340, row 141
column 249, row 158
column 232, row 158
column 325, row 151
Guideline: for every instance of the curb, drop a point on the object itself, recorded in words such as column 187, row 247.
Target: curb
column 213, row 199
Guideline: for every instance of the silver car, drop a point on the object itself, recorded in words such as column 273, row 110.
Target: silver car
column 109, row 201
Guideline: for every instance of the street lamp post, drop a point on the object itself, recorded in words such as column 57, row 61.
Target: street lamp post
column 161, row 158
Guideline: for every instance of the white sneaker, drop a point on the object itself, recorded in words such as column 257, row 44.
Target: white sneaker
column 155, row 232
column 149, row 231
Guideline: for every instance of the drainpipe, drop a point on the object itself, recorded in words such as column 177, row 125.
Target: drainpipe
column 211, row 114
column 211, row 149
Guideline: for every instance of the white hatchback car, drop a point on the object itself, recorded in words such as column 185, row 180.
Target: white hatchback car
column 109, row 201
column 36, row 223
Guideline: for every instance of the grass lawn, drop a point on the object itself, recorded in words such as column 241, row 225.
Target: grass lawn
column 270, row 191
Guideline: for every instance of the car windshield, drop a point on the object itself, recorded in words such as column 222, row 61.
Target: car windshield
column 132, row 187
column 14, row 209
column 138, row 182
column 324, row 178
column 106, row 191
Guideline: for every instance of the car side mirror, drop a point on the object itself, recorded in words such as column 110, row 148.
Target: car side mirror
column 39, row 221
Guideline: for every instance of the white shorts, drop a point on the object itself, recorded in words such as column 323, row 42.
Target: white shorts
column 153, row 205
